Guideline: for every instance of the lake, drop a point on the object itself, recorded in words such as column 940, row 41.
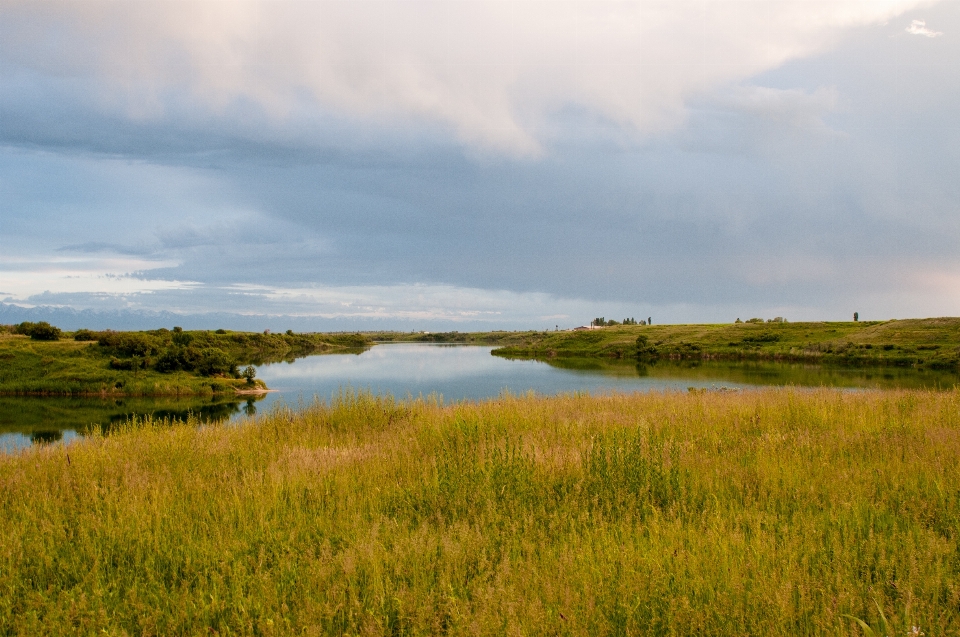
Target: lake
column 451, row 372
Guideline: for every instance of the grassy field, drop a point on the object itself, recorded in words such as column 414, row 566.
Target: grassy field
column 932, row 343
column 774, row 512
column 130, row 363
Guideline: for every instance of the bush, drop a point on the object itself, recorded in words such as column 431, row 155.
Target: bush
column 249, row 373
column 85, row 335
column 644, row 348
column 172, row 360
column 763, row 337
column 212, row 361
column 126, row 364
column 181, row 338
column 41, row 331
column 130, row 343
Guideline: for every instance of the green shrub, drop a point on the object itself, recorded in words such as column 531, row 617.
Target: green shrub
column 85, row 335
column 181, row 338
column 212, row 361
column 171, row 360
column 763, row 337
column 130, row 343
column 41, row 331
column 126, row 364
column 644, row 348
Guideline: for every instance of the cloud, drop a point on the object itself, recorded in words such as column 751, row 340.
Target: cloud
column 794, row 107
column 489, row 72
column 698, row 160
column 107, row 277
column 919, row 27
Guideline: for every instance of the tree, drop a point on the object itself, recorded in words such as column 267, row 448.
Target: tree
column 249, row 372
column 644, row 348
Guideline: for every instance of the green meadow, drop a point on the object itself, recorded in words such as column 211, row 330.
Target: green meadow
column 921, row 343
column 152, row 363
column 769, row 512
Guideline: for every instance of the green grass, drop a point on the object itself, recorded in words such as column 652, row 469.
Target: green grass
column 775, row 512
column 85, row 368
column 931, row 343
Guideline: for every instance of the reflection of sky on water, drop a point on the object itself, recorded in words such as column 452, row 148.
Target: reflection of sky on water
column 14, row 442
column 456, row 372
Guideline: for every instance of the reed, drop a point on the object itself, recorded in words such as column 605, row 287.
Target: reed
column 775, row 512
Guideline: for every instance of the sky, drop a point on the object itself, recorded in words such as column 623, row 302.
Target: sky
column 477, row 164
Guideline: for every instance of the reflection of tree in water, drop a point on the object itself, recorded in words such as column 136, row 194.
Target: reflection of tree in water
column 41, row 437
column 292, row 355
column 208, row 412
column 214, row 411
column 764, row 373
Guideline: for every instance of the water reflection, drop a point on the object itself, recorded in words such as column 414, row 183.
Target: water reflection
column 40, row 437
column 754, row 373
column 459, row 372
column 455, row 372
column 31, row 420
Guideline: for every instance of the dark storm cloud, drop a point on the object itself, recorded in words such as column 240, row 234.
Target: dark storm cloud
column 809, row 184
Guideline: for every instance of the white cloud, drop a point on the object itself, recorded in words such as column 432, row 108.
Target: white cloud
column 406, row 302
column 919, row 27
column 22, row 278
column 791, row 106
column 490, row 70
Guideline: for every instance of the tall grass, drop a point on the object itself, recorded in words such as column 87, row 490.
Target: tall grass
column 779, row 512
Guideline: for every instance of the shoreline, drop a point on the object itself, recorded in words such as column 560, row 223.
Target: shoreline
column 97, row 394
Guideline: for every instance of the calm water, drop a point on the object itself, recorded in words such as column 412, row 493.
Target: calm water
column 453, row 372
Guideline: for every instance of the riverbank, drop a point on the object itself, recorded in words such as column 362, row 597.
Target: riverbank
column 171, row 363
column 152, row 363
column 922, row 343
column 774, row 512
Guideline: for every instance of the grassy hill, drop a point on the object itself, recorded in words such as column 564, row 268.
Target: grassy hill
column 932, row 343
